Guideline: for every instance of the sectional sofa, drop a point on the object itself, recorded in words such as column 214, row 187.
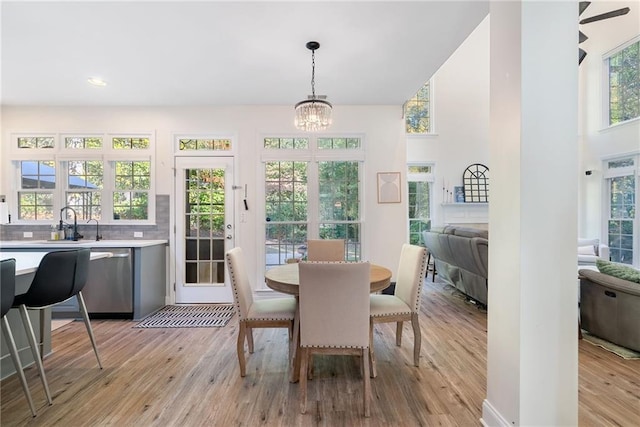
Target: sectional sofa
column 461, row 257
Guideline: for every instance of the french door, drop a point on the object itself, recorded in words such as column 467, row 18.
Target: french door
column 204, row 228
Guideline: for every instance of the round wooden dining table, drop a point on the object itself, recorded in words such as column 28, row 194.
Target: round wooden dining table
column 285, row 279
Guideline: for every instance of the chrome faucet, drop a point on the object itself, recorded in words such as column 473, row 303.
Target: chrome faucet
column 98, row 236
column 76, row 235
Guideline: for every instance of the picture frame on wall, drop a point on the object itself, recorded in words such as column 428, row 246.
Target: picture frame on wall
column 389, row 187
column 458, row 194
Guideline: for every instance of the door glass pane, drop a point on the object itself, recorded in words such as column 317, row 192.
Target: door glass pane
column 205, row 222
column 286, row 208
column 339, row 204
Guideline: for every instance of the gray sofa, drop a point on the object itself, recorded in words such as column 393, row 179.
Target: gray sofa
column 610, row 308
column 461, row 257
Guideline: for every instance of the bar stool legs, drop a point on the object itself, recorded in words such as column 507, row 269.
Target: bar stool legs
column 16, row 361
column 34, row 350
column 87, row 324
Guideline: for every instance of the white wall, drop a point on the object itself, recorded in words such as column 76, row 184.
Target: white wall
column 598, row 139
column 384, row 228
column 461, row 116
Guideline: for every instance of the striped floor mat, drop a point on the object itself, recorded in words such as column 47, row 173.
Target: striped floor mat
column 189, row 316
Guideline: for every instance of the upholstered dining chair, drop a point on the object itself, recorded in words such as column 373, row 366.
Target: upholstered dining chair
column 7, row 293
column 325, row 250
column 60, row 275
column 264, row 313
column 404, row 304
column 334, row 316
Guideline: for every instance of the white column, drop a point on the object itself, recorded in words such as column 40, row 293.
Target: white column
column 532, row 361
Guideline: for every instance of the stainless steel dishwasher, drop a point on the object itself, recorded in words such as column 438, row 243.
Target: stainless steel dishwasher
column 108, row 293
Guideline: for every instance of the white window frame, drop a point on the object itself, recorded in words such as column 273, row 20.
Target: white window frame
column 432, row 121
column 176, row 137
column 420, row 177
column 312, row 156
column 61, row 155
column 605, row 85
column 606, row 199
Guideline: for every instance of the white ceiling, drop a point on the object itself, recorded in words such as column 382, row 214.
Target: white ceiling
column 226, row 52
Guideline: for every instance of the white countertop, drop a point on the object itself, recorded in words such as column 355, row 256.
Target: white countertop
column 28, row 262
column 84, row 243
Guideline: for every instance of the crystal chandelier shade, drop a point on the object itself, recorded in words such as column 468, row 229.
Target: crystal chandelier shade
column 313, row 114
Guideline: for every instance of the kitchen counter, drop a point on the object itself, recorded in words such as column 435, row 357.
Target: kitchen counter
column 83, row 243
column 148, row 274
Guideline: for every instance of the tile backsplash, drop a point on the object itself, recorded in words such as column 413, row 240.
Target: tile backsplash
column 108, row 231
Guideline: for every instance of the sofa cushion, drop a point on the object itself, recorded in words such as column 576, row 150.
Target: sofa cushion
column 621, row 271
column 471, row 232
column 586, row 250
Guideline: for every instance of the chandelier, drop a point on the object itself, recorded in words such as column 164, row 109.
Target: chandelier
column 314, row 113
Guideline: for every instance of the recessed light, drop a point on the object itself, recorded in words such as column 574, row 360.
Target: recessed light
column 96, row 81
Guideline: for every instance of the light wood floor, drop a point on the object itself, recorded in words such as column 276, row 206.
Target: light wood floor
column 190, row 377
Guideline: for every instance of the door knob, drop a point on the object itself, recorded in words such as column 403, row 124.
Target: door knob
column 229, row 236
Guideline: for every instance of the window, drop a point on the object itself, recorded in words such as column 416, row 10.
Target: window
column 312, row 190
column 419, row 182
column 84, row 188
column 37, row 185
column 202, row 144
column 623, row 68
column 286, row 207
column 622, row 221
column 131, row 195
column 106, row 177
column 417, row 111
column 339, row 204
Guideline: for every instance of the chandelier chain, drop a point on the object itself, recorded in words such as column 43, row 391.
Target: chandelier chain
column 313, row 74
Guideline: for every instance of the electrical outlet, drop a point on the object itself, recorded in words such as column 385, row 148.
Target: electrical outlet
column 27, row 234
column 137, row 234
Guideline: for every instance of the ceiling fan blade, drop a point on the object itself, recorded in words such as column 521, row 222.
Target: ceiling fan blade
column 583, row 5
column 607, row 15
column 581, row 55
column 582, row 37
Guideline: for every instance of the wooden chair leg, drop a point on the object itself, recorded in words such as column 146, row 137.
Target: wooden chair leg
column 34, row 350
column 295, row 360
column 240, row 348
column 87, row 324
column 310, row 367
column 366, row 393
column 303, row 380
column 372, row 357
column 417, row 338
column 399, row 333
column 6, row 329
column 249, row 333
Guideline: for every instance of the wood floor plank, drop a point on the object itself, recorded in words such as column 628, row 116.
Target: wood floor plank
column 190, row 377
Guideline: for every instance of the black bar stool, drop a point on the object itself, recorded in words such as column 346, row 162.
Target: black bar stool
column 61, row 275
column 7, row 293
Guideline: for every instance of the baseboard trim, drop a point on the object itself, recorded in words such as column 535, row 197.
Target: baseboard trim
column 491, row 417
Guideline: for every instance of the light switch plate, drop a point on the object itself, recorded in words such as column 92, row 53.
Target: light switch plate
column 137, row 234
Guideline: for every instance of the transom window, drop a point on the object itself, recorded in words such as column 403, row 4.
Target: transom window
column 188, row 144
column 36, row 142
